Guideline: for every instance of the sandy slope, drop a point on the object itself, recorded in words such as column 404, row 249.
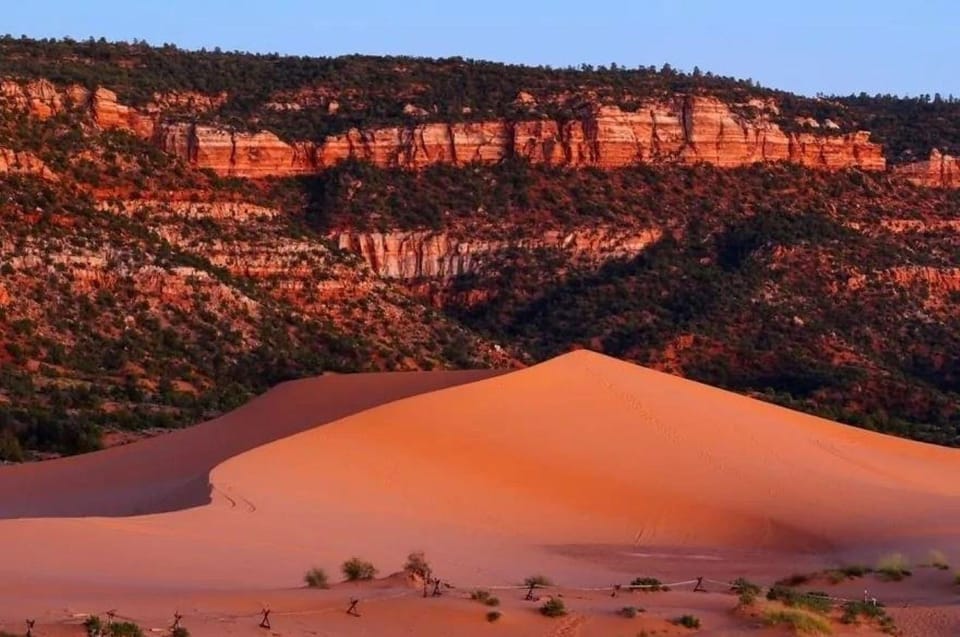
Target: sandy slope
column 170, row 472
column 587, row 449
column 581, row 467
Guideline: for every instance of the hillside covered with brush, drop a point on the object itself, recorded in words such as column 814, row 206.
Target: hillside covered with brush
column 181, row 230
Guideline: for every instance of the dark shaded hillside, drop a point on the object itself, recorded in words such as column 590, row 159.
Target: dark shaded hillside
column 831, row 293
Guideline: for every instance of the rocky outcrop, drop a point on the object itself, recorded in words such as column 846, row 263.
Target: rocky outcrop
column 240, row 211
column 685, row 130
column 938, row 281
column 108, row 113
column 40, row 98
column 415, row 255
column 236, row 154
column 940, row 171
column 23, row 163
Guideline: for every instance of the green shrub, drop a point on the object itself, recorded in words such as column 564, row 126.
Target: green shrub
column 812, row 600
column 629, row 611
column 649, row 584
column 417, row 565
column 553, row 607
column 938, row 560
column 124, row 629
column 746, row 590
column 893, row 567
column 494, row 615
column 356, row 570
column 798, row 621
column 850, row 571
column 797, row 579
column 316, row 578
column 180, row 631
column 871, row 611
column 93, row 625
column 539, row 581
column 687, row 621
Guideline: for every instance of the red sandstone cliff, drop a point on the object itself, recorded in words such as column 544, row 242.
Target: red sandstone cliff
column 941, row 171
column 683, row 130
column 419, row 254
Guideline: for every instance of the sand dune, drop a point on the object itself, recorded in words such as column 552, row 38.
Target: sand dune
column 588, row 449
column 585, row 467
column 170, row 472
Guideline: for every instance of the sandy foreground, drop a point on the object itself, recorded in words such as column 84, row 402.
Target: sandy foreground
column 586, row 469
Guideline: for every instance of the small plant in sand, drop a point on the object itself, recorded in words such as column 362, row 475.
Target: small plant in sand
column 812, row 600
column 538, row 581
column 630, row 611
column 850, row 571
column 687, row 621
column 799, row 621
column 937, row 559
column 494, row 615
column 484, row 597
column 316, row 578
column 356, row 570
column 746, row 590
column 417, row 565
column 854, row 611
column 648, row 585
column 893, row 567
column 797, row 579
column 179, row 631
column 553, row 607
column 96, row 628
column 93, row 626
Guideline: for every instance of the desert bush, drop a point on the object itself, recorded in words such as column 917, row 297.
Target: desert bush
column 797, row 579
column 124, row 629
column 798, row 621
column 494, row 615
column 484, row 597
column 938, row 560
column 812, row 600
column 687, row 621
column 539, row 581
column 850, row 571
column 417, row 565
column 93, row 626
column 872, row 611
column 355, row 570
column 893, row 567
column 179, row 631
column 553, row 607
column 746, row 590
column 629, row 611
column 649, row 584
column 316, row 578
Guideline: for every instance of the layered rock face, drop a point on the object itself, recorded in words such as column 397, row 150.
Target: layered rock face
column 684, row 130
column 23, row 163
column 414, row 255
column 236, row 154
column 940, row 171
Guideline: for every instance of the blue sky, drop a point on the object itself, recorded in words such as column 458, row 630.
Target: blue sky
column 837, row 46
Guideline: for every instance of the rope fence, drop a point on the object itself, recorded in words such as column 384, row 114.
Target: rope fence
column 264, row 615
